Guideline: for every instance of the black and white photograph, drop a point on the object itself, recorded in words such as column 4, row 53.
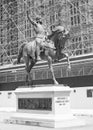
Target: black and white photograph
column 46, row 64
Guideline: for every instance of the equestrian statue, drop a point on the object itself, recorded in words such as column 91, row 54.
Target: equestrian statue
column 44, row 46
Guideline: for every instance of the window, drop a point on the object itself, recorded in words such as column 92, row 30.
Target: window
column 74, row 12
column 76, row 45
column 52, row 19
column 90, row 93
column 72, row 22
column 9, row 95
column 84, row 7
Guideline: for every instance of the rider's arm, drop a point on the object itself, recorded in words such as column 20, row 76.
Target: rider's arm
column 31, row 21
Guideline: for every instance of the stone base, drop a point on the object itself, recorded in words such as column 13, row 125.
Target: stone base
column 47, row 106
column 46, row 120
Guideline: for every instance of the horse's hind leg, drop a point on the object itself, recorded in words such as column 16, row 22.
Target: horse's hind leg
column 51, row 69
column 20, row 54
column 18, row 58
column 32, row 63
column 26, row 59
column 28, row 68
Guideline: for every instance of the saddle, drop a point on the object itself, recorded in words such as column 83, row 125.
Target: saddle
column 48, row 44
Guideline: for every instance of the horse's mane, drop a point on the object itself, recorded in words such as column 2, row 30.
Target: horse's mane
column 59, row 40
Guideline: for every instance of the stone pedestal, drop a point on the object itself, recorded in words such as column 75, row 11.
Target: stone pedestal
column 45, row 105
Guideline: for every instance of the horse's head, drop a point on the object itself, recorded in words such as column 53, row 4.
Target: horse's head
column 59, row 37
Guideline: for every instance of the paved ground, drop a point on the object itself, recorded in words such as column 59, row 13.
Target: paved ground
column 5, row 115
column 20, row 127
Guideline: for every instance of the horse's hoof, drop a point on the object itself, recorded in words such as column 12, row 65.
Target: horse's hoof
column 56, row 83
column 69, row 68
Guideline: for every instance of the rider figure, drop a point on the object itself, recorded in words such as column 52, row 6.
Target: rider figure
column 40, row 33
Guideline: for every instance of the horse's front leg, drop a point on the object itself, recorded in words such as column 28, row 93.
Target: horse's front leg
column 51, row 69
column 69, row 64
column 28, row 77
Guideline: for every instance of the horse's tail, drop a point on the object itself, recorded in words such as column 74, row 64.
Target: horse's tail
column 20, row 53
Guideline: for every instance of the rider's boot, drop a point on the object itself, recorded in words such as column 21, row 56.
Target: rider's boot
column 38, row 53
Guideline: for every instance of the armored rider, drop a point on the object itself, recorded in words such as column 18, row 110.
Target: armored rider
column 40, row 33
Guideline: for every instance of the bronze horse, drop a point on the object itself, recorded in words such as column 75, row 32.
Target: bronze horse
column 51, row 51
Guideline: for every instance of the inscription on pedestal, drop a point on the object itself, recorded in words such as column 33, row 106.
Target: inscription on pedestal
column 35, row 103
column 63, row 101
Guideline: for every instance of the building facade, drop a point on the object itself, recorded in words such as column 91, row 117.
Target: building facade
column 15, row 28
